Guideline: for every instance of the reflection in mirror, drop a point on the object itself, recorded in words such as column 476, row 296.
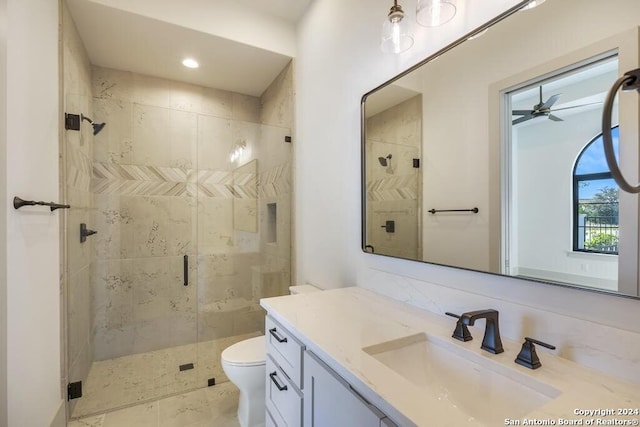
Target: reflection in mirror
column 553, row 120
column 489, row 157
column 394, row 133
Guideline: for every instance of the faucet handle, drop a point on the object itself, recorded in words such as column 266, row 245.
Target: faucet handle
column 461, row 332
column 528, row 356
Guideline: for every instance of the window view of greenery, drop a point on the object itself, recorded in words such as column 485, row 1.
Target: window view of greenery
column 596, row 202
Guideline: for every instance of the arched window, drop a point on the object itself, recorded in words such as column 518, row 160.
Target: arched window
column 595, row 200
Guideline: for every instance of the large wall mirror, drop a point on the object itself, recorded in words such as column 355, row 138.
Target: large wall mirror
column 488, row 155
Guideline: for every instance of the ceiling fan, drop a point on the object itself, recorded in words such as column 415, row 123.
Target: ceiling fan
column 543, row 109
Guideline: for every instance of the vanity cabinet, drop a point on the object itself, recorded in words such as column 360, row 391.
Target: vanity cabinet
column 301, row 390
column 283, row 376
column 330, row 401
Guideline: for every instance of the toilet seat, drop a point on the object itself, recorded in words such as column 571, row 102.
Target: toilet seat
column 251, row 352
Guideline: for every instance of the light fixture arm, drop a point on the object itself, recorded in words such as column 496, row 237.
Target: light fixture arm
column 396, row 14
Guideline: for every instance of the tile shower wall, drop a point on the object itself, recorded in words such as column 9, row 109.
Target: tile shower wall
column 144, row 185
column 242, row 258
column 275, row 188
column 393, row 191
column 76, row 166
column 164, row 188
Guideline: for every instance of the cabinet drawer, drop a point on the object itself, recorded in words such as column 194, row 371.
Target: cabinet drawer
column 285, row 350
column 283, row 401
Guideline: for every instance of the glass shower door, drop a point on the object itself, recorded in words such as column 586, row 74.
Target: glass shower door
column 139, row 314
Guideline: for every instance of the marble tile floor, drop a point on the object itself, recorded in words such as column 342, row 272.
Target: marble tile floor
column 145, row 377
column 210, row 406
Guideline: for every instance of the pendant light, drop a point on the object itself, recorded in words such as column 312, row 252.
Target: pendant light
column 396, row 31
column 432, row 13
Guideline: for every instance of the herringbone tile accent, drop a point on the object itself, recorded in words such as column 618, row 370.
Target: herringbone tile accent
column 137, row 180
column 275, row 181
column 393, row 188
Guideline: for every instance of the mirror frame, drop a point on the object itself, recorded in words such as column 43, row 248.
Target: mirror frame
column 363, row 193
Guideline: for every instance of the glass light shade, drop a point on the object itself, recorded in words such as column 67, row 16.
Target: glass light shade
column 432, row 13
column 396, row 34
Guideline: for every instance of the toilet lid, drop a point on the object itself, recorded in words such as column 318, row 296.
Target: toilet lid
column 246, row 353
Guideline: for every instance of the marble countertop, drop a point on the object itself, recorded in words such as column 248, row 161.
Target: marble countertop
column 337, row 324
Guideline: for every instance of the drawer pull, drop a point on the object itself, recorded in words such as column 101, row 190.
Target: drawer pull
column 272, row 331
column 273, row 375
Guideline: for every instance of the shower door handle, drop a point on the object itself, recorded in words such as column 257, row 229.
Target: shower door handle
column 185, row 272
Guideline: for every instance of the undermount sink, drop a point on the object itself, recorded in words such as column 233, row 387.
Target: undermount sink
column 488, row 392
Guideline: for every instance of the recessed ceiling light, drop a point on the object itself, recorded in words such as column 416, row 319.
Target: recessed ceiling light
column 190, row 63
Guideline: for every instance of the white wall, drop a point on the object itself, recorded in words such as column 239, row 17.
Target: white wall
column 33, row 271
column 334, row 69
column 3, row 214
column 227, row 19
column 545, row 157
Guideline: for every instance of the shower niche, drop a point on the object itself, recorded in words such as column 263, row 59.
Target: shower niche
column 169, row 199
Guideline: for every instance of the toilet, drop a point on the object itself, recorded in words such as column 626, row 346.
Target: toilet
column 244, row 365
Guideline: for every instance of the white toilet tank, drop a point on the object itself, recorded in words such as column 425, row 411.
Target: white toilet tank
column 303, row 289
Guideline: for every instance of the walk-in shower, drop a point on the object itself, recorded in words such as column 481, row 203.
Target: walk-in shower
column 160, row 189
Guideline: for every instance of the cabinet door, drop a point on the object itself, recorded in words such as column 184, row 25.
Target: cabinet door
column 330, row 402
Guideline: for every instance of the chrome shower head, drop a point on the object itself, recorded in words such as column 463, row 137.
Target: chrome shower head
column 383, row 160
column 97, row 127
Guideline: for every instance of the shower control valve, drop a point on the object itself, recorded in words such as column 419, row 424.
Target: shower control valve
column 389, row 226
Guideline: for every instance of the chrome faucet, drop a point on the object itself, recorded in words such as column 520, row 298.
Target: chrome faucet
column 491, row 341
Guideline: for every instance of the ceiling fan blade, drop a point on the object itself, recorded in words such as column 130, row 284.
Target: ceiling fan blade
column 521, row 112
column 576, row 106
column 549, row 102
column 555, row 118
column 522, row 119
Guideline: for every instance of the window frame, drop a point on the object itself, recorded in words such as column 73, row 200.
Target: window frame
column 577, row 178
